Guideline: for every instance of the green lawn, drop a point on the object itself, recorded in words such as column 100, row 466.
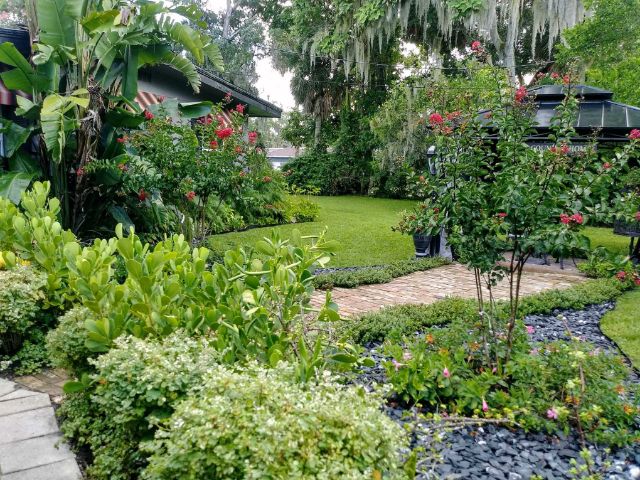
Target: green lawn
column 362, row 225
column 604, row 236
column 623, row 325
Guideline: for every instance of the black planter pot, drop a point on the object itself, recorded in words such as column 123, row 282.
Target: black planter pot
column 426, row 245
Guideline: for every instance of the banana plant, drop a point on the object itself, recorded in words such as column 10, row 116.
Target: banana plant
column 83, row 78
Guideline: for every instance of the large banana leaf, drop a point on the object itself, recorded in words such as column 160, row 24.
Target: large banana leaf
column 23, row 76
column 25, row 163
column 185, row 67
column 55, row 124
column 56, row 25
column 12, row 185
column 215, row 56
column 130, row 74
column 14, row 136
column 185, row 36
column 195, row 109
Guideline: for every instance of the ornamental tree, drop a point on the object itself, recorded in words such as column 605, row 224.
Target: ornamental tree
column 502, row 201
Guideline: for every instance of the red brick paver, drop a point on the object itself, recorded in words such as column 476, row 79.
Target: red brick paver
column 427, row 287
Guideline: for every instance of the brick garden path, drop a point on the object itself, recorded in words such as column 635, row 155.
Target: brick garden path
column 30, row 442
column 429, row 286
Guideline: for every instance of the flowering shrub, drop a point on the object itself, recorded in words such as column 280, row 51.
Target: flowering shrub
column 318, row 430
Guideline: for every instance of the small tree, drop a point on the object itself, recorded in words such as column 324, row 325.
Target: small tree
column 499, row 199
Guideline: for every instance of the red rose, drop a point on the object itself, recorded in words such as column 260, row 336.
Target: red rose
column 476, row 46
column 238, row 149
column 224, row 133
column 435, row 119
column 240, row 108
column 577, row 218
column 213, row 144
column 121, row 139
column 555, row 75
column 606, row 165
column 637, row 281
column 564, row 149
column 190, row 195
column 553, row 149
column 564, row 218
column 502, row 214
column 253, row 136
column 621, row 275
column 521, row 94
column 148, row 115
column 566, row 80
column 634, row 134
column 142, row 195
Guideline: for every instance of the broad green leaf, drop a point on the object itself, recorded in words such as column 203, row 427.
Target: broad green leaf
column 14, row 137
column 120, row 117
column 73, row 387
column 97, row 22
column 184, row 66
column 26, row 108
column 195, row 109
column 23, row 162
column 56, row 25
column 12, row 185
column 130, row 75
column 215, row 56
column 23, row 76
column 120, row 215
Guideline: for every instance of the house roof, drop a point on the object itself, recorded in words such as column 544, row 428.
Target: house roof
column 166, row 80
column 597, row 112
column 282, row 152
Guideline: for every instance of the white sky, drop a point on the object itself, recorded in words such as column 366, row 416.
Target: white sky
column 272, row 86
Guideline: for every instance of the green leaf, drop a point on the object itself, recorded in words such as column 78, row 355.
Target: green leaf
column 213, row 53
column 184, row 66
column 12, row 185
column 15, row 136
column 344, row 358
column 26, row 108
column 73, row 387
column 23, row 76
column 98, row 22
column 120, row 117
column 121, row 216
column 130, row 75
column 195, row 109
column 56, row 25
column 23, row 162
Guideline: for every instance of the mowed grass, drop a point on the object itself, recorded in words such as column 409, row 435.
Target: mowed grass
column 604, row 237
column 362, row 225
column 623, row 325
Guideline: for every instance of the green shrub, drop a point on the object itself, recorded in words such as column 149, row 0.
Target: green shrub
column 67, row 343
column 260, row 423
column 22, row 298
column 398, row 321
column 601, row 263
column 135, row 383
column 374, row 275
column 298, row 209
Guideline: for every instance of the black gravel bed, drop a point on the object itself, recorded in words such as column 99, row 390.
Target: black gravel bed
column 491, row 451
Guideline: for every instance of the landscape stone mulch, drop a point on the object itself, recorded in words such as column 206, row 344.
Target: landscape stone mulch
column 491, row 451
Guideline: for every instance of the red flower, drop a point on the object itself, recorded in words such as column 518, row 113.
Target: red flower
column 121, row 139
column 161, row 98
column 435, row 119
column 476, row 46
column 227, row 98
column 502, row 214
column 224, row 133
column 521, row 94
column 123, row 167
column 447, row 130
column 80, row 172
column 148, row 115
column 238, row 149
column 266, row 179
column 564, row 149
column 564, row 218
column 541, row 75
column 606, row 165
column 240, row 108
column 637, row 216
column 555, row 75
column 634, row 134
column 436, row 210
column 553, row 149
column 253, row 136
column 190, row 195
column 577, row 218
column 142, row 195
column 566, row 79
column 621, row 275
column 213, row 144
column 637, row 281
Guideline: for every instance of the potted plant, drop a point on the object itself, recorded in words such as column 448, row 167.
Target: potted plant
column 425, row 225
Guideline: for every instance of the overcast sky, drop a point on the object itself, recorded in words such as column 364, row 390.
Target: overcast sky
column 272, row 85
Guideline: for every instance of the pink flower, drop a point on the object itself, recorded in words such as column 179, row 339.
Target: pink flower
column 621, row 275
column 485, row 407
column 148, row 115
column 555, row 75
column 121, row 139
column 636, row 281
column 190, row 195
column 564, row 218
column 406, row 356
column 566, row 79
column 240, row 108
column 476, row 45
column 533, row 351
column 396, row 364
column 564, row 149
column 80, row 172
column 530, row 330
column 435, row 119
column 521, row 94
column 224, row 133
column 445, row 373
column 552, row 414
column 637, row 216
column 502, row 214
column 238, row 149
column 606, row 165
column 253, row 136
column 577, row 218
column 634, row 134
